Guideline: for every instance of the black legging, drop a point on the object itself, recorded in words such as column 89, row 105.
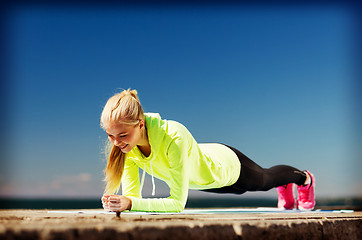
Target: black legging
column 255, row 178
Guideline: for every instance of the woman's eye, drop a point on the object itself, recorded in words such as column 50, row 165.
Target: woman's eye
column 122, row 136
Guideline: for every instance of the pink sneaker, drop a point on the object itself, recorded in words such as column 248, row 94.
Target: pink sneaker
column 306, row 199
column 286, row 197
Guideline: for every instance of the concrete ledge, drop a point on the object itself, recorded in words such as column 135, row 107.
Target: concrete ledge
column 38, row 224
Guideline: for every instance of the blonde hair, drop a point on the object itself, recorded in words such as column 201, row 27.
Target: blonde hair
column 125, row 108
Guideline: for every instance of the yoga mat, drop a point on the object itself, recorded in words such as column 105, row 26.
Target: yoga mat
column 209, row 211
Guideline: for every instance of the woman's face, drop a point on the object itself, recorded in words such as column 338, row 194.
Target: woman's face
column 125, row 136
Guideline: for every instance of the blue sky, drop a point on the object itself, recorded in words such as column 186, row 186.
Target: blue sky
column 275, row 82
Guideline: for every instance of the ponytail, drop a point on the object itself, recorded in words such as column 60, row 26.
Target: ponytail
column 114, row 170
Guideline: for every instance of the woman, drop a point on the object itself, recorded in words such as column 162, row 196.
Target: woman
column 166, row 150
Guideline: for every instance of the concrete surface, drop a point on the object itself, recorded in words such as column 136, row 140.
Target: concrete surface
column 39, row 224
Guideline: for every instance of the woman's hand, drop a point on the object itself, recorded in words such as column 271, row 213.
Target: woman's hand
column 113, row 203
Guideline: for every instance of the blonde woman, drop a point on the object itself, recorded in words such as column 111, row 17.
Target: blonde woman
column 166, row 149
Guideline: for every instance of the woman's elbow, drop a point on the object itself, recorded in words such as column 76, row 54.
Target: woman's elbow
column 180, row 206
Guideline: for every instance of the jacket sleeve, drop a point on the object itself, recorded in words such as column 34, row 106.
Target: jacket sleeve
column 130, row 179
column 177, row 155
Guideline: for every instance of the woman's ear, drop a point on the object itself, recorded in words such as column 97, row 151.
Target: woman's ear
column 141, row 123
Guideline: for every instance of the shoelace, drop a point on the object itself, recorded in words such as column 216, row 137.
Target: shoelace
column 304, row 193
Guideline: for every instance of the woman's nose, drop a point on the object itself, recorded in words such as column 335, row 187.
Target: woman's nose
column 116, row 142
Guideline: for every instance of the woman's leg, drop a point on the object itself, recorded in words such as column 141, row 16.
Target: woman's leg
column 255, row 178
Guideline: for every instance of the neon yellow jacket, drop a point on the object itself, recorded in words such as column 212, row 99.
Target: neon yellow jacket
column 181, row 162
